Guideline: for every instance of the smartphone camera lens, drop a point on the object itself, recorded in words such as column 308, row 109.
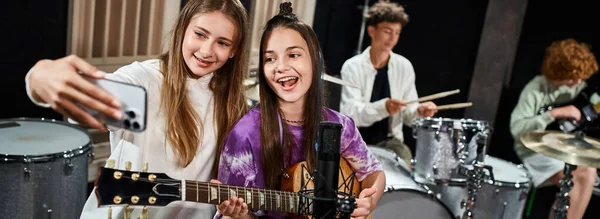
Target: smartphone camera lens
column 136, row 125
column 127, row 124
column 131, row 114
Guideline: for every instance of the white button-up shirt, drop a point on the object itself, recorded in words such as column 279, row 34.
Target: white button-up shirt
column 355, row 102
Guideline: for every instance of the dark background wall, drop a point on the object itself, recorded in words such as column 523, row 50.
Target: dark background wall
column 31, row 30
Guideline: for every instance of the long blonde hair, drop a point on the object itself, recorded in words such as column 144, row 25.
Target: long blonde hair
column 226, row 84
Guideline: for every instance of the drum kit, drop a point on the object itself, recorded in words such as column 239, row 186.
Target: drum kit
column 451, row 176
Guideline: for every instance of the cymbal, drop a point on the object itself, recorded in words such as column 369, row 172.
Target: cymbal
column 564, row 146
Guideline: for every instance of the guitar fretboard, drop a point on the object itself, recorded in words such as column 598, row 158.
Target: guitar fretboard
column 258, row 199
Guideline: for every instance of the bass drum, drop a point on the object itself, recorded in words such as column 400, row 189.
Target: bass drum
column 403, row 197
column 501, row 198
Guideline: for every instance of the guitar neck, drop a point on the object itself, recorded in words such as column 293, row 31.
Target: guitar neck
column 257, row 199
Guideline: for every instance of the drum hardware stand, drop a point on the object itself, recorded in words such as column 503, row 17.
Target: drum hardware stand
column 563, row 201
column 481, row 139
column 475, row 177
column 562, row 196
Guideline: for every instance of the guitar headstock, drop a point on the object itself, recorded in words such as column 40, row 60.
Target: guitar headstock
column 125, row 187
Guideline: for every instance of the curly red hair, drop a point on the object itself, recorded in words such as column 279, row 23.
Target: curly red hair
column 569, row 59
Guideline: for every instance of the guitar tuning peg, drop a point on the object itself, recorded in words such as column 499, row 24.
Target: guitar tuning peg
column 128, row 211
column 110, row 163
column 128, row 165
column 145, row 169
column 109, row 212
column 145, row 213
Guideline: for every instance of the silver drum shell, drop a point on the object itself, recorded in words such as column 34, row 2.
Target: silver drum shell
column 444, row 145
column 52, row 185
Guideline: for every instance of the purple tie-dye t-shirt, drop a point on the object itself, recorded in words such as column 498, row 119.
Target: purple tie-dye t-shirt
column 240, row 158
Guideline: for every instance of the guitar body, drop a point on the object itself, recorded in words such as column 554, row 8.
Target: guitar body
column 589, row 115
column 298, row 173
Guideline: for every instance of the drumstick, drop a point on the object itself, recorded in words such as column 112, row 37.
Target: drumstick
column 332, row 79
column 434, row 96
column 454, row 106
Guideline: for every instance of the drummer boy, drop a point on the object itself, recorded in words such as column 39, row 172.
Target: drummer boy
column 566, row 64
column 385, row 78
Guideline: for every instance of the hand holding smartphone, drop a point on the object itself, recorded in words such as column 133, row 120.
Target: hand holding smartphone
column 133, row 100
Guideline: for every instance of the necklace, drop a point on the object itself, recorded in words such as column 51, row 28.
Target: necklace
column 293, row 121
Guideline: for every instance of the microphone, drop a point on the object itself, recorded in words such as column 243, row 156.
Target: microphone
column 326, row 173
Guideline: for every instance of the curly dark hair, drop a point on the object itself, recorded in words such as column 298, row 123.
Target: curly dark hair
column 385, row 11
column 568, row 59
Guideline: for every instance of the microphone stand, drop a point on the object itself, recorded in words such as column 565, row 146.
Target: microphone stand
column 346, row 207
column 362, row 27
column 346, row 203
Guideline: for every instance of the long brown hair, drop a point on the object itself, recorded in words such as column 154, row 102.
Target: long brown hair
column 272, row 147
column 226, row 84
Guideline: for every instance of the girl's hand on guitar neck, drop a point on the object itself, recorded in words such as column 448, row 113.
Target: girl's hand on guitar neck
column 364, row 204
column 232, row 208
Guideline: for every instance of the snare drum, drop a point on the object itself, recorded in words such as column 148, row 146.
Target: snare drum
column 44, row 169
column 443, row 145
column 502, row 198
column 403, row 197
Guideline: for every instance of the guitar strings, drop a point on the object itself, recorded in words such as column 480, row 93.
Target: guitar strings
column 298, row 199
column 204, row 186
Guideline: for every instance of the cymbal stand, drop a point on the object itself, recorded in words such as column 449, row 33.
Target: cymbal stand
column 563, row 201
column 562, row 196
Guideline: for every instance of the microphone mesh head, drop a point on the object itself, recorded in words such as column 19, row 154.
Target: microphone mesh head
column 329, row 137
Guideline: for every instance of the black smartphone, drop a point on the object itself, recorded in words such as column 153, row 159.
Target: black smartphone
column 133, row 100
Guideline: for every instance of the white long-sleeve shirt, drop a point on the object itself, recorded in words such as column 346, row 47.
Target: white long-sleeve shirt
column 355, row 102
column 153, row 146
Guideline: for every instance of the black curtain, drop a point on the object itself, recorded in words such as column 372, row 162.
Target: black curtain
column 31, row 30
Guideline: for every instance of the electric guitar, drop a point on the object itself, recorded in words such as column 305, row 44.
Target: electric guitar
column 589, row 114
column 134, row 188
